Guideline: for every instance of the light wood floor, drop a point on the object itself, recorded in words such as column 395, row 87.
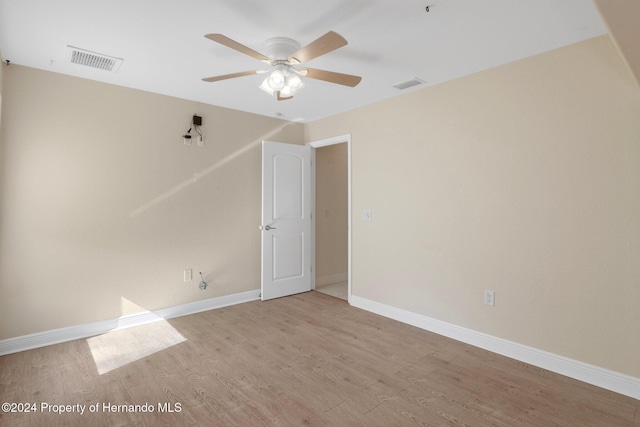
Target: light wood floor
column 338, row 290
column 309, row 359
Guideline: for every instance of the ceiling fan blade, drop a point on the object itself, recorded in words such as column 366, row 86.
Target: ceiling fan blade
column 282, row 98
column 226, row 41
column 230, row 76
column 332, row 77
column 325, row 44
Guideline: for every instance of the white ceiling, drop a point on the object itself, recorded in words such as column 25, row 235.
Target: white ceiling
column 390, row 41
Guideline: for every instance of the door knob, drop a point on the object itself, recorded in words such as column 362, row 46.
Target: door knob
column 267, row 228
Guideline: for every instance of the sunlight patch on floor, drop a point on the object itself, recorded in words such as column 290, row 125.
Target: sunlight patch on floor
column 139, row 333
column 121, row 347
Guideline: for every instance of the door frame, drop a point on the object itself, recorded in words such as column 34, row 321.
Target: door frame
column 319, row 144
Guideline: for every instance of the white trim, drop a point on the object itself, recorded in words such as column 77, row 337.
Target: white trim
column 594, row 375
column 330, row 141
column 313, row 216
column 333, row 278
column 55, row 336
column 323, row 143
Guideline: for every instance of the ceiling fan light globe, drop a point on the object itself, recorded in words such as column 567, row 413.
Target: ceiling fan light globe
column 286, row 92
column 276, row 80
column 297, row 88
column 293, row 80
column 265, row 86
column 290, row 90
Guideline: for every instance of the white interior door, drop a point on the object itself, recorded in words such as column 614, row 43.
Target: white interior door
column 286, row 219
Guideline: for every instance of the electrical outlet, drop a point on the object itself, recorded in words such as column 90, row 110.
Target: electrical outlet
column 489, row 298
column 200, row 140
column 367, row 215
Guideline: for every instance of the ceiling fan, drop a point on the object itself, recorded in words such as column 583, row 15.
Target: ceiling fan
column 282, row 55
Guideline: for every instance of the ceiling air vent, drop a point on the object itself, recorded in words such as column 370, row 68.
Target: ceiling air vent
column 408, row 84
column 93, row 59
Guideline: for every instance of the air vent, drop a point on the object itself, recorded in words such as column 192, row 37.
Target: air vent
column 93, row 59
column 408, row 84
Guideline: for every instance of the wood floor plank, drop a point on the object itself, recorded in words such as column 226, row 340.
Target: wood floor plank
column 308, row 359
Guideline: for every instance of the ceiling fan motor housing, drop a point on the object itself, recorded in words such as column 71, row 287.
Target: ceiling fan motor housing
column 280, row 48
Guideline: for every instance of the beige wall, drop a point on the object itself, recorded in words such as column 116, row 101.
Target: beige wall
column 2, row 66
column 523, row 179
column 331, row 210
column 1, row 75
column 103, row 207
column 621, row 18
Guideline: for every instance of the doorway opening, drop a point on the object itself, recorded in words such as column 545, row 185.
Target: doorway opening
column 331, row 178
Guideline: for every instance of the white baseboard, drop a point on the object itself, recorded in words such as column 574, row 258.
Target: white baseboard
column 41, row 339
column 600, row 377
column 333, row 278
